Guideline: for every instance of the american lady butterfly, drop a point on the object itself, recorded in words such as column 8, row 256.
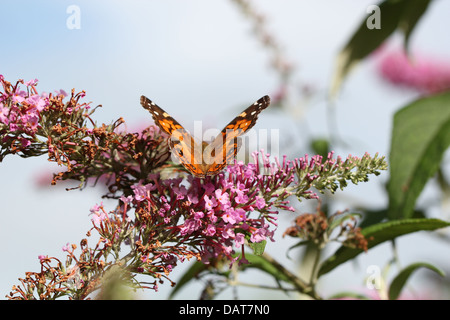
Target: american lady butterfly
column 206, row 159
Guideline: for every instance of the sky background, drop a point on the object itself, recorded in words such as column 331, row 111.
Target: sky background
column 199, row 60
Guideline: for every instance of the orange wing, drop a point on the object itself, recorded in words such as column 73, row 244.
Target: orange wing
column 228, row 140
column 182, row 144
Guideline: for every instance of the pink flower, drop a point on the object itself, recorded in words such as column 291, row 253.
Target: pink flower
column 229, row 216
column 61, row 92
column 228, row 231
column 223, row 198
column 190, row 226
column 209, row 188
column 239, row 214
column 210, row 230
column 18, row 97
column 209, row 203
column 31, row 121
column 66, row 248
column 24, row 142
column 141, row 192
column 240, row 190
column 99, row 215
column 197, row 214
column 31, row 82
column 261, row 234
column 260, row 203
column 37, row 101
column 126, row 200
column 211, row 216
column 4, row 112
column 239, row 240
column 241, row 198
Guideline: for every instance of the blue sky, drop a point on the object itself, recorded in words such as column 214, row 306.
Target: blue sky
column 199, row 61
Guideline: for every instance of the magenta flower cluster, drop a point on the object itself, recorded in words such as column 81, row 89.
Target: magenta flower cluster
column 20, row 110
column 220, row 213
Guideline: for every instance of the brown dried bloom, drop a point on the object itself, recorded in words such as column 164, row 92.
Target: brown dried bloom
column 320, row 229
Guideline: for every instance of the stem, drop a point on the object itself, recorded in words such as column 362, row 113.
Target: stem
column 251, row 285
column 315, row 269
column 298, row 283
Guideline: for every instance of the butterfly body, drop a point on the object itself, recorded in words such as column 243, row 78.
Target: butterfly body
column 206, row 159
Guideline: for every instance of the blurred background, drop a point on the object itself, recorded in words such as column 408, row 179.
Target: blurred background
column 207, row 60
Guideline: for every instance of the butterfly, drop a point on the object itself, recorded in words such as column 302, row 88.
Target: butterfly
column 206, row 159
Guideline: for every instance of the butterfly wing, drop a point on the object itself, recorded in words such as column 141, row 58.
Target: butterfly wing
column 183, row 145
column 224, row 148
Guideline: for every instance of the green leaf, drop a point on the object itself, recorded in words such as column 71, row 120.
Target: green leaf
column 348, row 296
column 365, row 40
column 298, row 244
column 260, row 263
column 381, row 232
column 394, row 14
column 341, row 218
column 411, row 17
column 258, row 247
column 400, row 280
column 420, row 136
column 320, row 146
column 371, row 217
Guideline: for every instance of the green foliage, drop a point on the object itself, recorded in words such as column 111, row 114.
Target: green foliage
column 400, row 15
column 400, row 280
column 379, row 233
column 420, row 136
column 258, row 247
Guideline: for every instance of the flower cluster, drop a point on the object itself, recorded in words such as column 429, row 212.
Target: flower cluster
column 423, row 74
column 162, row 217
column 33, row 124
column 333, row 172
column 222, row 212
column 19, row 115
column 57, row 278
